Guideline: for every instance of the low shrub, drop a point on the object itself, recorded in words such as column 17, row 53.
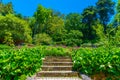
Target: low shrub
column 43, row 39
column 14, row 64
column 5, row 47
column 55, row 51
column 73, row 38
column 98, row 60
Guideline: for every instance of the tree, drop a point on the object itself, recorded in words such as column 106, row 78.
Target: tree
column 73, row 38
column 99, row 31
column 117, row 36
column 89, row 18
column 57, row 13
column 32, row 22
column 116, row 21
column 55, row 28
column 47, row 21
column 19, row 15
column 41, row 16
column 6, row 8
column 118, row 7
column 42, row 38
column 116, row 24
column 105, row 11
column 18, row 29
column 8, row 39
column 73, row 21
column 112, row 36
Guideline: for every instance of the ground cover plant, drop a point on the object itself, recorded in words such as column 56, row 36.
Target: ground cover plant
column 101, row 61
column 5, row 47
column 55, row 51
column 18, row 64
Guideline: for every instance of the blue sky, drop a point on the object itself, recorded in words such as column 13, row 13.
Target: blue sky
column 28, row 7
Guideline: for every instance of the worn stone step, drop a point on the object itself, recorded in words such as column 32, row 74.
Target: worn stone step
column 56, row 68
column 57, row 63
column 57, row 74
column 51, row 57
column 57, row 60
column 57, row 78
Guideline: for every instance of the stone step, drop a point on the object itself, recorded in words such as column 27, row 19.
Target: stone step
column 57, row 78
column 56, row 68
column 57, row 63
column 51, row 57
column 57, row 60
column 57, row 74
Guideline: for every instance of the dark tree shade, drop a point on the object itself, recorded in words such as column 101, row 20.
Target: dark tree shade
column 105, row 11
column 73, row 21
column 89, row 14
column 89, row 17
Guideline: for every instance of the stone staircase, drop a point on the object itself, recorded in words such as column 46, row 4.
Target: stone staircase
column 57, row 68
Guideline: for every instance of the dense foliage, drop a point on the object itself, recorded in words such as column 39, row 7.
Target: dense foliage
column 17, row 64
column 2, row 47
column 43, row 39
column 6, row 9
column 56, row 51
column 73, row 38
column 14, row 30
column 105, row 9
column 93, row 61
column 17, row 29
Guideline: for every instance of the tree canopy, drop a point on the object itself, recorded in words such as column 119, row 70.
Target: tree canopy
column 19, row 29
column 105, row 10
column 48, row 26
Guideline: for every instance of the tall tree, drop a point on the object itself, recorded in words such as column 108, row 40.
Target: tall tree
column 116, row 24
column 57, row 13
column 55, row 28
column 118, row 7
column 18, row 29
column 6, row 8
column 105, row 11
column 89, row 18
column 73, row 21
column 41, row 16
column 116, row 21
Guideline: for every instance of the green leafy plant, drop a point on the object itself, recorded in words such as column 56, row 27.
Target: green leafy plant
column 99, row 60
column 2, row 47
column 17, row 63
column 55, row 51
column 73, row 38
column 43, row 38
column 8, row 39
